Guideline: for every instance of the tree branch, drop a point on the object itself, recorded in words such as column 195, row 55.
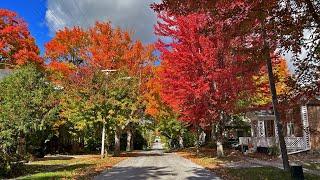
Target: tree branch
column 313, row 12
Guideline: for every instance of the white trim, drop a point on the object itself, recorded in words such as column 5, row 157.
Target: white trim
column 305, row 123
column 261, row 129
column 296, row 152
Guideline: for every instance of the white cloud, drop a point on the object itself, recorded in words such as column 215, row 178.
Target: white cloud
column 129, row 14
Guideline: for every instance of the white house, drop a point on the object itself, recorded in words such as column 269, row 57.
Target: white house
column 301, row 129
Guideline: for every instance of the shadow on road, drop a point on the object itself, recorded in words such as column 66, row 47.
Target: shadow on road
column 140, row 154
column 200, row 173
column 49, row 158
column 137, row 173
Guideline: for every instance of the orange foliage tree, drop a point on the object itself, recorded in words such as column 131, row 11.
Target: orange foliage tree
column 262, row 97
column 75, row 54
column 152, row 97
column 100, row 47
column 17, row 46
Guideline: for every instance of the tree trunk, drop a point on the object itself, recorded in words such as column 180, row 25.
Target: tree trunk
column 170, row 143
column 219, row 149
column 213, row 133
column 198, row 141
column 219, row 138
column 117, row 135
column 129, row 140
column 313, row 12
column 21, row 149
column 181, row 142
column 103, row 135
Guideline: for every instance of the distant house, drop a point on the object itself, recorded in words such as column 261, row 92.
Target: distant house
column 4, row 73
column 301, row 129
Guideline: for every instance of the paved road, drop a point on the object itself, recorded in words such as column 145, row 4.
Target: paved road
column 156, row 165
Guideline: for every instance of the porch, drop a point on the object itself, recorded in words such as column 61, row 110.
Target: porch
column 293, row 144
column 264, row 131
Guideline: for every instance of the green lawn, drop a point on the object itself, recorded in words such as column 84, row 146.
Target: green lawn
column 266, row 173
column 67, row 167
column 312, row 166
column 210, row 162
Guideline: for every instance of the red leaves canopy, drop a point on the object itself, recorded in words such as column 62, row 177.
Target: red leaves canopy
column 198, row 81
column 288, row 26
column 17, row 46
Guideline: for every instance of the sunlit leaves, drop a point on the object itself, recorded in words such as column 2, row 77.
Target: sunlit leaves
column 17, row 46
column 199, row 78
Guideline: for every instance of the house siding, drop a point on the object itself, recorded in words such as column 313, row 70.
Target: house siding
column 314, row 124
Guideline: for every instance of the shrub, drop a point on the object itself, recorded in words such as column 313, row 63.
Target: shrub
column 189, row 139
column 274, row 150
column 10, row 165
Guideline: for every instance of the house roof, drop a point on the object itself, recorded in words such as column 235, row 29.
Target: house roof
column 4, row 73
column 314, row 101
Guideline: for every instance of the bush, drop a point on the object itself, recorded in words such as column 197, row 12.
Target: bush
column 10, row 165
column 274, row 150
column 27, row 111
column 189, row 139
column 93, row 145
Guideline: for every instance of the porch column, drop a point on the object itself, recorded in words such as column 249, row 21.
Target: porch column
column 261, row 133
column 254, row 134
column 276, row 132
column 252, row 129
column 305, row 123
column 261, row 129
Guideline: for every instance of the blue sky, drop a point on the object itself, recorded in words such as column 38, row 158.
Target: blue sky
column 45, row 17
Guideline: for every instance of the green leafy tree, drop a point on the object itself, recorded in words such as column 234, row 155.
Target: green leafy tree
column 27, row 109
column 127, row 108
column 84, row 105
column 170, row 127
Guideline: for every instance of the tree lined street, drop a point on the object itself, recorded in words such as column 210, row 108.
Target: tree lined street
column 156, row 164
column 180, row 89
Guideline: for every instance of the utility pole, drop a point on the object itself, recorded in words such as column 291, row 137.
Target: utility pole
column 283, row 147
column 267, row 57
column 103, row 135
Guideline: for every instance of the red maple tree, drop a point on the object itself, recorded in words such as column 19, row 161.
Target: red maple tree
column 256, row 29
column 200, row 81
column 17, row 46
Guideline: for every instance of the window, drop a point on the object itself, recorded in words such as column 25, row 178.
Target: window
column 290, row 129
column 254, row 129
column 269, row 128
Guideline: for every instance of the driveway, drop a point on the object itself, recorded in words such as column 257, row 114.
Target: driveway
column 156, row 165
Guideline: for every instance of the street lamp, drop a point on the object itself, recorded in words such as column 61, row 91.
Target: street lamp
column 107, row 72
